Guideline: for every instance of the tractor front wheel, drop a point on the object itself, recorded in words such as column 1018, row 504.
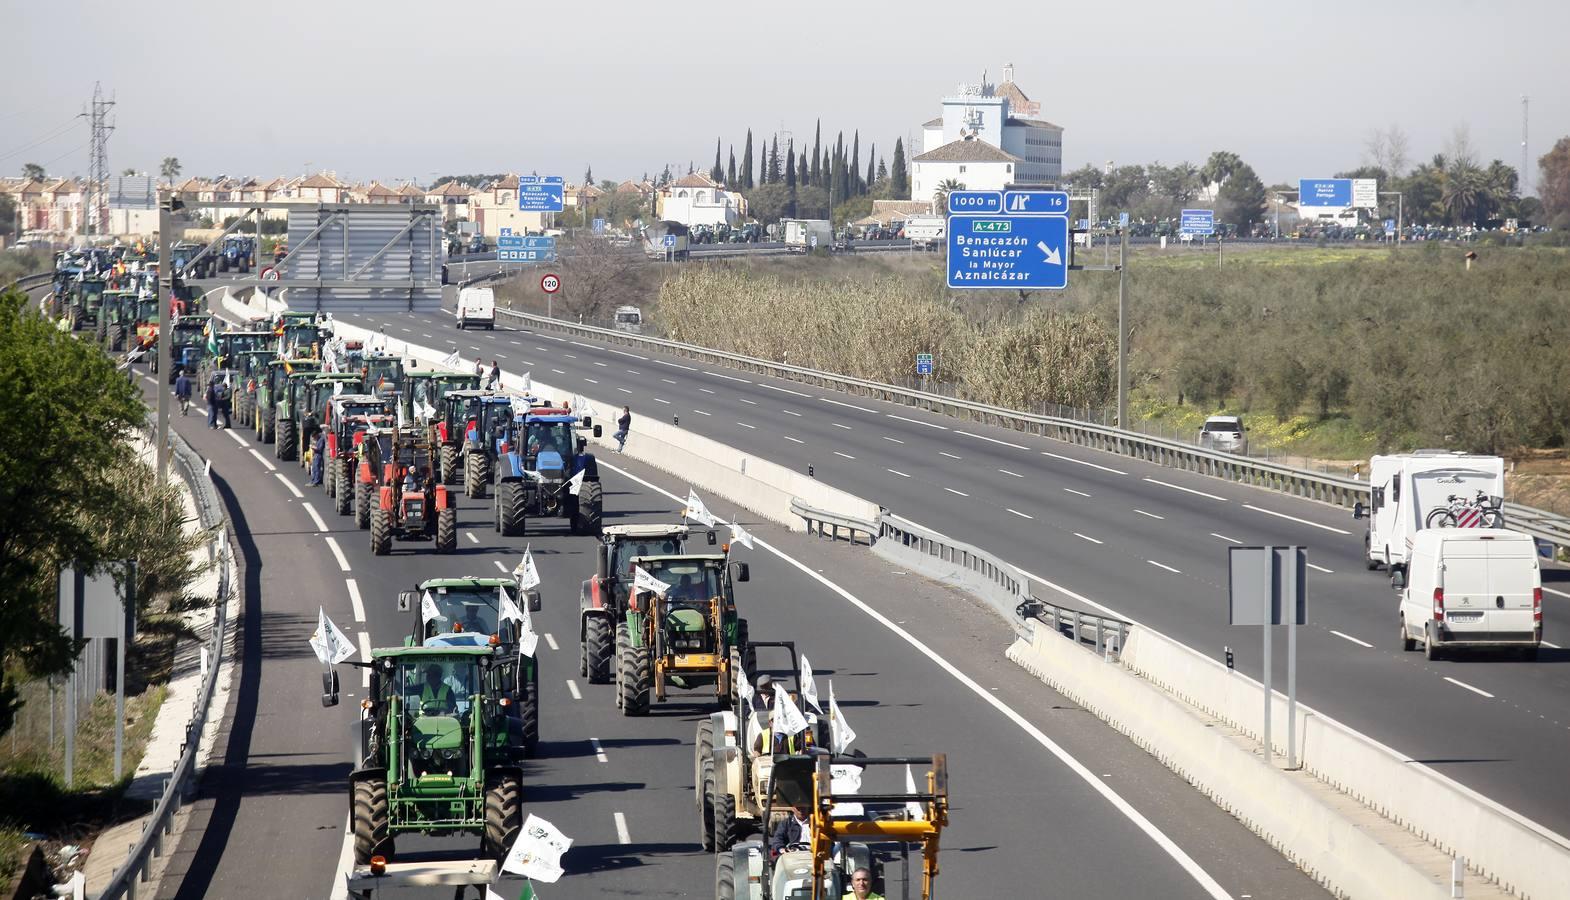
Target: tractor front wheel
column 448, row 463
column 724, row 819
column 475, row 475
column 341, row 492
column 447, row 531
column 703, row 779
column 381, row 532
column 503, row 813
column 510, row 509
column 371, row 837
column 283, row 447
column 725, row 877
column 529, row 711
column 597, row 649
column 635, row 677
column 590, row 508
column 364, row 498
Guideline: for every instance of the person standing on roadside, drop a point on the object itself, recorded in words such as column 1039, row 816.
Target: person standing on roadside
column 623, row 425
column 211, row 396
column 182, row 392
column 479, row 367
column 495, row 379
column 224, row 400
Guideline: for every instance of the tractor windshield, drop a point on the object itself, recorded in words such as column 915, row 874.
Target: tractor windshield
column 299, row 336
column 465, row 610
column 186, row 332
column 550, row 437
column 628, row 548
column 382, row 373
column 690, row 580
column 245, row 343
column 438, row 687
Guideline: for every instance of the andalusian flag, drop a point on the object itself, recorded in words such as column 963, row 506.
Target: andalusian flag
column 212, row 339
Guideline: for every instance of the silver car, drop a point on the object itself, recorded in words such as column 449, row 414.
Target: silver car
column 1224, row 433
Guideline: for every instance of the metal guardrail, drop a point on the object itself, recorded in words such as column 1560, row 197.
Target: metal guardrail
column 1326, row 488
column 851, row 526
column 27, row 281
column 181, row 782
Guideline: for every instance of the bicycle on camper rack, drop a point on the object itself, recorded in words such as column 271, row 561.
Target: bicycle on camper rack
column 1482, row 511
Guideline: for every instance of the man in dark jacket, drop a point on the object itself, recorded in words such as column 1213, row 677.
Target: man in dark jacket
column 211, row 396
column 793, row 829
column 623, row 425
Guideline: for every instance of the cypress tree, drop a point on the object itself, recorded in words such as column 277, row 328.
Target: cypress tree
column 730, row 170
column 716, row 173
column 817, row 154
column 763, row 162
column 790, row 164
column 855, row 166
column 883, row 169
column 746, row 163
column 899, row 180
column 774, row 161
column 803, row 172
column 871, row 175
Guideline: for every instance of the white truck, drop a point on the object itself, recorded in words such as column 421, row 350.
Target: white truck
column 926, row 232
column 476, row 306
column 629, row 319
column 805, row 235
column 1406, row 488
column 1471, row 588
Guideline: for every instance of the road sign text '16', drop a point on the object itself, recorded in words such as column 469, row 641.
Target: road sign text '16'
column 1022, row 243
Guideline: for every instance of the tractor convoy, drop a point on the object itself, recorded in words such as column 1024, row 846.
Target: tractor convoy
column 452, row 716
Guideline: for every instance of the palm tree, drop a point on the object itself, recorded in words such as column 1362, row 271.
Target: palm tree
column 940, row 197
column 170, row 168
column 1462, row 193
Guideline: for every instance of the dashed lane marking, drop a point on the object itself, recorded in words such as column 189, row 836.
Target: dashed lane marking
column 982, row 437
column 1347, row 637
column 311, row 510
column 1271, row 512
column 354, row 599
column 1081, row 462
column 1163, row 566
column 1179, row 487
column 1086, row 537
column 1476, row 690
column 332, row 544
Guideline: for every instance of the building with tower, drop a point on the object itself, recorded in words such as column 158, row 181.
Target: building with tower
column 989, row 136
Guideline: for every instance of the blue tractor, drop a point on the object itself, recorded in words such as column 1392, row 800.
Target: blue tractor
column 238, row 255
column 543, row 469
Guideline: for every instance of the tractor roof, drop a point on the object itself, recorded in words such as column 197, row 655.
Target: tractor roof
column 551, row 418
column 266, row 334
column 356, row 398
column 466, row 582
column 646, row 531
column 471, row 392
column 330, row 377
column 684, row 557
column 429, row 652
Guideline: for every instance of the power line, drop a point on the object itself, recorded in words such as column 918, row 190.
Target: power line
column 70, row 124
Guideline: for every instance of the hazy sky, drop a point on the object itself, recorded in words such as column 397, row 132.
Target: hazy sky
column 396, row 90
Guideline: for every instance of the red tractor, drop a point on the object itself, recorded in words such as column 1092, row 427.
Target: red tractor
column 410, row 505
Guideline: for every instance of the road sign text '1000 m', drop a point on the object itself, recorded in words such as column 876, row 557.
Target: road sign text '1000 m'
column 1019, row 240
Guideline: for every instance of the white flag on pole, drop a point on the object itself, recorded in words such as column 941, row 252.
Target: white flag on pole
column 528, row 640
column 840, row 732
column 696, row 510
column 913, row 807
column 453, row 360
column 538, row 850
column 740, row 535
column 337, row 388
column 845, row 780
column 428, row 608
column 787, row 719
column 809, row 688
column 575, row 483
column 332, row 646
column 528, row 576
column 581, row 406
column 744, row 686
column 643, row 581
column 402, row 424
column 526, row 381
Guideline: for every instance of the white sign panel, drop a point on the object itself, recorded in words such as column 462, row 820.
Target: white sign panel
column 1365, row 193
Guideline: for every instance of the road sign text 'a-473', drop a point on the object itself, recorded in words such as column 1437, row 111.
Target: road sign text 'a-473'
column 1023, row 245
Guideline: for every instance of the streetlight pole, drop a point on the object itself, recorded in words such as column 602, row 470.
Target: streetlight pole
column 1123, row 328
column 166, row 208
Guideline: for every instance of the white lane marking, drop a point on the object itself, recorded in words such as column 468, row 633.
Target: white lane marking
column 407, row 331
column 471, row 537
column 1225, row 538
column 993, row 440
column 541, row 349
column 290, row 485
column 784, row 390
column 501, row 356
column 602, row 365
column 894, row 440
column 354, row 598
column 1080, row 493
column 515, row 343
column 424, row 335
column 1321, row 569
column 617, row 352
column 591, row 381
column 1270, row 512
column 662, row 400
column 727, row 377
column 263, row 460
column 1086, row 537
column 918, row 422
column 1556, row 592
column 621, row 828
column 897, row 472
column 633, row 372
column 667, row 381
column 1163, row 566
column 952, row 491
column 838, row 425
column 1474, row 690
column 599, row 752
column 1348, row 637
column 237, row 439
column 1081, row 462
column 748, row 402
column 1551, row 645
column 332, row 544
column 745, row 425
column 365, row 655
column 501, row 565
column 551, row 641
column 1020, row 514
column 674, row 365
column 849, row 405
column 624, row 390
column 1014, row 474
column 1160, row 838
column 568, row 355
column 572, row 688
column 793, row 440
column 1179, row 487
column 846, row 455
column 1150, row 514
column 558, row 372
column 706, row 390
column 340, row 889
column 702, row 413
column 790, row 412
column 320, row 525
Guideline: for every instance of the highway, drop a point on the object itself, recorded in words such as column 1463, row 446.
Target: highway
column 1043, row 794
column 1096, row 529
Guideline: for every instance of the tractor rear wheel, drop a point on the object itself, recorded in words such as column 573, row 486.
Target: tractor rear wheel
column 529, row 711
column 269, row 426
column 363, row 501
column 381, row 532
column 635, row 678
column 120, row 333
column 749, row 656
column 597, row 649
column 448, row 463
column 510, row 511
column 342, row 493
column 447, row 531
column 475, row 475
column 703, row 779
column 371, row 837
column 590, row 508
column 724, row 819
column 725, row 877
column 283, row 447
column 503, row 813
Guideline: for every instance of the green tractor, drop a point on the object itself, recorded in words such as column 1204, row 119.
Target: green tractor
column 469, row 613
column 688, row 637
column 439, row 749
column 117, row 318
column 273, row 403
column 290, row 395
column 86, row 301
column 424, row 388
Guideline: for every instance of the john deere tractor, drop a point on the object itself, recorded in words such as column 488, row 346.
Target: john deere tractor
column 468, row 612
column 274, row 406
column 602, row 603
column 424, row 388
column 685, row 635
column 439, row 750
column 408, row 503
column 544, row 470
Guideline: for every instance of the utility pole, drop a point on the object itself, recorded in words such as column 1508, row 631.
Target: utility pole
column 97, row 161
column 167, row 207
column 1123, row 328
column 1524, row 102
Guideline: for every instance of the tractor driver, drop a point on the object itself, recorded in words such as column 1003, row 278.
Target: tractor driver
column 793, row 830
column 435, row 694
column 471, row 618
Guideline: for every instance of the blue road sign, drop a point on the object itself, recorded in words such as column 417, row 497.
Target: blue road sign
column 1123, row 220
column 1324, row 192
column 599, row 226
column 522, row 248
column 924, row 364
column 1028, row 252
column 669, row 240
column 975, row 201
column 1197, row 221
column 1390, row 225
column 1047, row 203
column 541, row 193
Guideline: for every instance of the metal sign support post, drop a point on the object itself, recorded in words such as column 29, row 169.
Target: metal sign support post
column 1291, row 693
column 1266, row 587
column 1123, row 329
column 1268, row 670
column 160, row 319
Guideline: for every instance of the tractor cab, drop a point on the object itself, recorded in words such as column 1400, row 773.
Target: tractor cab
column 383, row 374
column 423, row 392
column 187, row 342
column 298, row 334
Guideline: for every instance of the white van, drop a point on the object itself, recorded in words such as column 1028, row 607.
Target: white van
column 1407, row 487
column 629, row 319
column 1471, row 588
column 477, row 306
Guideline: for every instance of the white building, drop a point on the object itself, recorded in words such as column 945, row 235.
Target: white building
column 1024, row 150
column 495, row 207
column 697, row 199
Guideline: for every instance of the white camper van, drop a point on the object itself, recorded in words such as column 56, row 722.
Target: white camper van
column 1472, row 588
column 477, row 306
column 1407, row 487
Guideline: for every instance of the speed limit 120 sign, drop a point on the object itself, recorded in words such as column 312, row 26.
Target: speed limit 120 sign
column 550, row 284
